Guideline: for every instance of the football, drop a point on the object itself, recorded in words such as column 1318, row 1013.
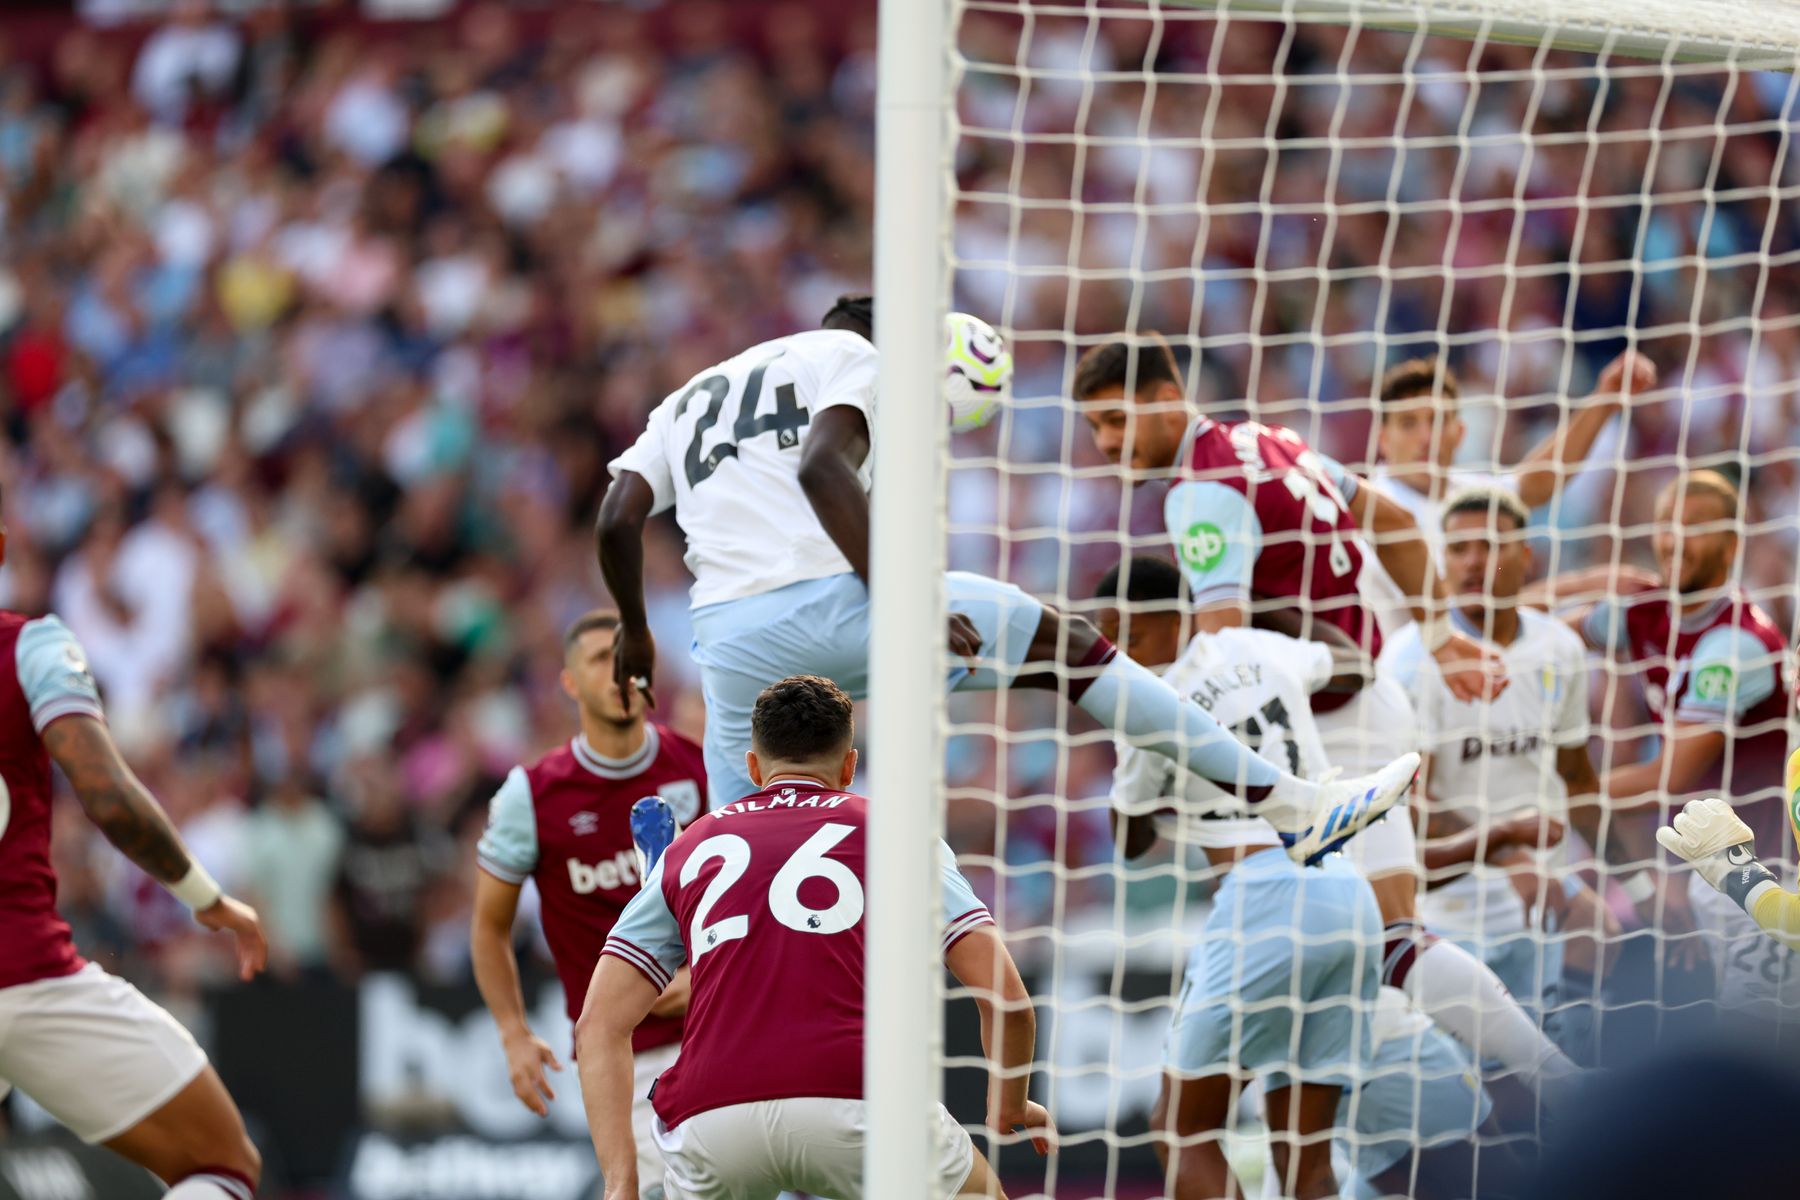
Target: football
column 978, row 371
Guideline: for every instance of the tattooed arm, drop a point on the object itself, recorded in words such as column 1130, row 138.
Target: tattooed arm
column 133, row 821
column 122, row 807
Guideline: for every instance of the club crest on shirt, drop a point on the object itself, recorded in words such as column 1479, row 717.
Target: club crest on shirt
column 1552, row 685
column 683, row 796
column 584, row 823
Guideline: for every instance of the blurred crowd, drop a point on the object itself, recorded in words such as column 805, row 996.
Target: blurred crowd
column 316, row 336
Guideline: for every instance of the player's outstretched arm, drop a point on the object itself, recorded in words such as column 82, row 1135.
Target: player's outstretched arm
column 1711, row 838
column 981, row 963
column 132, row 820
column 618, row 998
column 619, row 541
column 497, row 977
column 1551, row 461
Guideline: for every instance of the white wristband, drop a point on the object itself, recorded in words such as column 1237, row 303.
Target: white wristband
column 1639, row 887
column 196, row 889
column 1435, row 632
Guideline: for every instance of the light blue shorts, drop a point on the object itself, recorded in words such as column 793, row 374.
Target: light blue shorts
column 1283, row 982
column 1421, row 1091
column 821, row 627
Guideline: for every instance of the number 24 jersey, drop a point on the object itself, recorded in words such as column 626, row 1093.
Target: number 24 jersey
column 724, row 451
column 764, row 900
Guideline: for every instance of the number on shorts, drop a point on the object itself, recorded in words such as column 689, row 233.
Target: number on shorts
column 808, row 862
column 5, row 806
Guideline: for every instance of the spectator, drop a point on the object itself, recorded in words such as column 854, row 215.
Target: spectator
column 190, row 60
column 293, row 844
column 391, row 864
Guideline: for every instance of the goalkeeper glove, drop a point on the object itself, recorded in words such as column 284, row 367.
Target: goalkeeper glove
column 1712, row 838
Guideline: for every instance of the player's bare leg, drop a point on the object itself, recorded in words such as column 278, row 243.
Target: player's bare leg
column 1187, row 1110
column 982, row 1181
column 1300, row 1120
column 1312, row 818
column 196, row 1143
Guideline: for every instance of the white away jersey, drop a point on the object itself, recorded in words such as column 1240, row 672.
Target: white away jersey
column 1429, row 513
column 1257, row 684
column 724, row 450
column 1494, row 759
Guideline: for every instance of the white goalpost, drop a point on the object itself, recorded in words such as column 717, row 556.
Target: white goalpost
column 1299, row 194
column 903, row 983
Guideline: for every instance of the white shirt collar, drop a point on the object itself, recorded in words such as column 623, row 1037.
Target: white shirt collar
column 618, row 768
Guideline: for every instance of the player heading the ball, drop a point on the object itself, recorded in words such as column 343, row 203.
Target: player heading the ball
column 763, row 900
column 765, row 460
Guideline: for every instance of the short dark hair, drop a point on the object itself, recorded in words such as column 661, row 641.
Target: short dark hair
column 1484, row 500
column 854, row 311
column 586, row 623
column 1145, row 580
column 1133, row 365
column 1417, row 377
column 801, row 719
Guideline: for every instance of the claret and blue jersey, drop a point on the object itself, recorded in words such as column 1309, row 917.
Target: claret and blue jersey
column 763, row 899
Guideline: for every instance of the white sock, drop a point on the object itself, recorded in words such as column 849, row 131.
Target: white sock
column 1460, row 993
column 209, row 1187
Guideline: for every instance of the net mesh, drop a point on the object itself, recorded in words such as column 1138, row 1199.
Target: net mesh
column 1298, row 203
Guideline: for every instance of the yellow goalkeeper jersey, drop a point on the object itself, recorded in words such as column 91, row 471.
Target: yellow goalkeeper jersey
column 1778, row 912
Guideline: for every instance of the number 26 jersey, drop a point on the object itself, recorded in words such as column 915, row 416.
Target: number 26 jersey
column 724, row 452
column 764, row 900
column 1257, row 684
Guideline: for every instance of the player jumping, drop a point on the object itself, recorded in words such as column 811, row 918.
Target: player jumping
column 564, row 823
column 765, row 459
column 764, row 899
column 1301, row 1012
column 1260, row 520
column 87, row 1046
column 1281, row 986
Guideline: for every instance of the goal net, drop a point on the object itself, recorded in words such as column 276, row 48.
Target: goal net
column 1298, row 196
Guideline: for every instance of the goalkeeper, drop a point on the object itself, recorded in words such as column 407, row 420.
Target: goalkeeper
column 1712, row 838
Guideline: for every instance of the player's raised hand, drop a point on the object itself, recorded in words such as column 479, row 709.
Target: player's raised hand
column 229, row 915
column 1711, row 837
column 1472, row 670
column 1626, row 377
column 634, row 665
column 526, row 1057
column 1032, row 1119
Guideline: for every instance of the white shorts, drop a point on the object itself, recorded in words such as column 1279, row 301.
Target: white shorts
column 1371, row 731
column 93, row 1051
column 645, row 1067
column 808, row 1144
